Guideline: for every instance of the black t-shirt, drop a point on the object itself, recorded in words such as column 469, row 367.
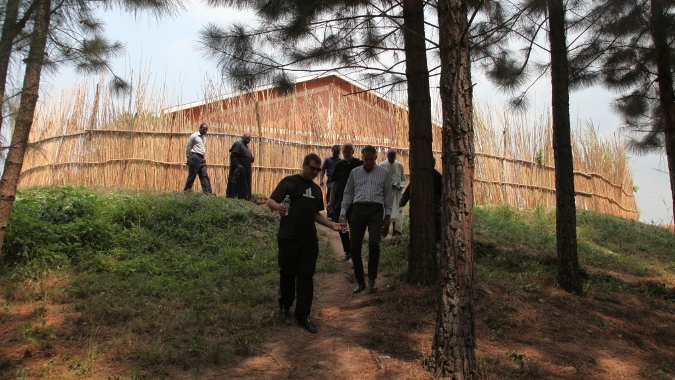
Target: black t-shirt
column 306, row 201
column 341, row 173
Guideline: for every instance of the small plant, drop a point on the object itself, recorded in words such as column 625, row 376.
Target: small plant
column 539, row 157
column 40, row 335
column 517, row 357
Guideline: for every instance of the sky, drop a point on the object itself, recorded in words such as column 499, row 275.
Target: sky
column 169, row 49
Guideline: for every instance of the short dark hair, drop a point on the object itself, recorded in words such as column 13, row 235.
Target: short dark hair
column 203, row 125
column 312, row 157
column 335, row 147
column 368, row 149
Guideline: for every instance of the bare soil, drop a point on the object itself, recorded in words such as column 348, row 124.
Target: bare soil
column 533, row 332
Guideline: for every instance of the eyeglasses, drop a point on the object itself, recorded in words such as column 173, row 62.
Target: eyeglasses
column 314, row 168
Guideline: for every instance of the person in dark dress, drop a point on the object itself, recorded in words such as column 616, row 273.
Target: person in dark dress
column 241, row 159
column 297, row 239
column 340, row 176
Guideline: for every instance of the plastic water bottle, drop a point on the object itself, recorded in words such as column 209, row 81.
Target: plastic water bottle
column 343, row 222
column 287, row 203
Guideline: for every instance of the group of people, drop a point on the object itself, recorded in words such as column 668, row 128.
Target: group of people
column 241, row 159
column 359, row 193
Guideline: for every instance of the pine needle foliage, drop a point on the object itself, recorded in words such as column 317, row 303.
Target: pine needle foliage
column 629, row 68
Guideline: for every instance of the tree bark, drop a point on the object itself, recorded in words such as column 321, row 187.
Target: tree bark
column 24, row 118
column 665, row 79
column 422, row 266
column 11, row 28
column 454, row 345
column 569, row 277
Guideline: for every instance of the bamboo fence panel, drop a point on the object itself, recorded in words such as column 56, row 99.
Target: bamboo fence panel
column 89, row 138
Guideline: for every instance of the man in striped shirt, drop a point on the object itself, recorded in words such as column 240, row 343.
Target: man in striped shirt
column 194, row 152
column 368, row 191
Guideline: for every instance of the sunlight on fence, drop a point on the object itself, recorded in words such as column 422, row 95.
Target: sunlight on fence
column 87, row 137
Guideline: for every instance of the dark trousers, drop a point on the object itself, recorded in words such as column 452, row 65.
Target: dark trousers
column 297, row 261
column 366, row 216
column 197, row 166
column 344, row 236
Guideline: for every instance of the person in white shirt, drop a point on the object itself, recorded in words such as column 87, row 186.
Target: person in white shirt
column 397, row 174
column 194, row 152
column 368, row 192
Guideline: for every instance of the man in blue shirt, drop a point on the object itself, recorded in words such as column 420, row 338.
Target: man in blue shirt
column 328, row 168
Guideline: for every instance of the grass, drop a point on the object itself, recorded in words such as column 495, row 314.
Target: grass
column 182, row 279
column 155, row 283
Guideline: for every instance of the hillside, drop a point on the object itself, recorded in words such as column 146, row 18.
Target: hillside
column 126, row 285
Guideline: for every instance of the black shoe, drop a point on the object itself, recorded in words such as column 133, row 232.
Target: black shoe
column 395, row 233
column 372, row 285
column 346, row 257
column 307, row 324
column 359, row 288
column 283, row 314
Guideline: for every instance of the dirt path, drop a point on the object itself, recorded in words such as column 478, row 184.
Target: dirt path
column 355, row 335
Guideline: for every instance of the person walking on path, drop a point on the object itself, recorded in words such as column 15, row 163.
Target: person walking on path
column 195, row 150
column 368, row 191
column 328, row 168
column 340, row 176
column 397, row 174
column 241, row 159
column 297, row 238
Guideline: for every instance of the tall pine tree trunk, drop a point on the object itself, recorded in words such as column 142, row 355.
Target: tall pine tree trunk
column 422, row 268
column 12, row 26
column 24, row 118
column 454, row 354
column 569, row 277
column 9, row 33
column 665, row 79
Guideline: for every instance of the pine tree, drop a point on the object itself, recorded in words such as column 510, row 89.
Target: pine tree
column 570, row 68
column 639, row 62
column 374, row 38
column 58, row 32
column 454, row 344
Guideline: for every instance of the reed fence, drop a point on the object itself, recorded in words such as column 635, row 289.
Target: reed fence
column 86, row 137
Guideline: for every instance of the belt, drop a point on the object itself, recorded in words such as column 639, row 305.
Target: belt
column 369, row 204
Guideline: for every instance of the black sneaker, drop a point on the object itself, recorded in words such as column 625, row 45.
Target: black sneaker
column 359, row 288
column 307, row 324
column 283, row 314
column 346, row 257
column 372, row 286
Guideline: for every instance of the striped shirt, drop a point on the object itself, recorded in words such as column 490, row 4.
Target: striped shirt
column 368, row 187
column 196, row 144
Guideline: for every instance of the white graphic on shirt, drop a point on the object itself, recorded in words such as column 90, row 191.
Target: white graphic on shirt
column 308, row 193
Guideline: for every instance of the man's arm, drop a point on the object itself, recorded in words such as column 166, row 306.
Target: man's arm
column 333, row 190
column 388, row 196
column 234, row 155
column 321, row 176
column 188, row 147
column 405, row 197
column 348, row 196
column 319, row 218
column 277, row 207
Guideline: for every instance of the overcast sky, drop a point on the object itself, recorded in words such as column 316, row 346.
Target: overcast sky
column 169, row 49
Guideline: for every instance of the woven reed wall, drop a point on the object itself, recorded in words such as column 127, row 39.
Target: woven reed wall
column 87, row 139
